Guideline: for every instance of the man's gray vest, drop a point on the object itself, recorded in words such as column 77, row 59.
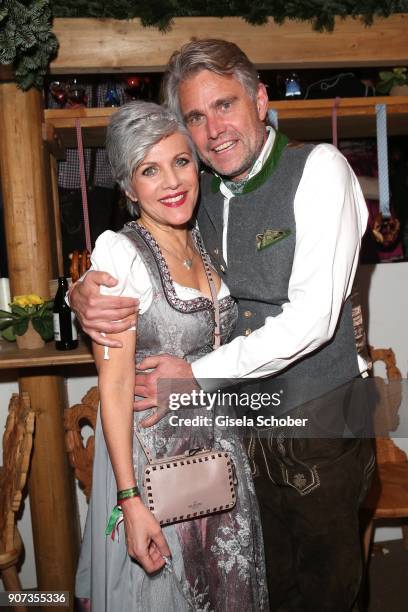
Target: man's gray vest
column 259, row 279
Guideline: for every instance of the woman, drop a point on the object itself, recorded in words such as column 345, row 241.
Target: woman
column 214, row 563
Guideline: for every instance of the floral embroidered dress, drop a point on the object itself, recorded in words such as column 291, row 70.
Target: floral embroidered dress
column 217, row 562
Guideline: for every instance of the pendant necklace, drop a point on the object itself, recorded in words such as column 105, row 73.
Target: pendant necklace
column 187, row 261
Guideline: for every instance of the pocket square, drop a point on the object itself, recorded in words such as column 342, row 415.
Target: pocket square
column 270, row 237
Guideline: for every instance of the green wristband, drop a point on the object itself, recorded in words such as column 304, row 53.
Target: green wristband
column 126, row 493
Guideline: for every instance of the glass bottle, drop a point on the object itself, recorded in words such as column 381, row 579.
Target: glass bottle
column 65, row 331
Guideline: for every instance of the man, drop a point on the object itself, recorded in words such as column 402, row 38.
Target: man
column 283, row 225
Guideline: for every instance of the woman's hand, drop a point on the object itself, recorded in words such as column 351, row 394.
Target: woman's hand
column 101, row 314
column 144, row 537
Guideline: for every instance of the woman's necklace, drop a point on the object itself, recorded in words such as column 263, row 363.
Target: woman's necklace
column 187, row 261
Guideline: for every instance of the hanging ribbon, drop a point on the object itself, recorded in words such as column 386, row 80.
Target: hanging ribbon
column 115, row 519
column 336, row 104
column 82, row 176
column 382, row 156
column 273, row 118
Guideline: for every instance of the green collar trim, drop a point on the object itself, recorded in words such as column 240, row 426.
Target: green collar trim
column 267, row 169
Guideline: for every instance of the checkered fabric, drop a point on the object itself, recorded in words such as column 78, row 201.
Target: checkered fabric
column 68, row 170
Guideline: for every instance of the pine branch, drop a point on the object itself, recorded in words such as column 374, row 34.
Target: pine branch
column 26, row 39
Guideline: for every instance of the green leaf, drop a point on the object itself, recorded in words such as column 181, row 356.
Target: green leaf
column 5, row 324
column 5, row 312
column 20, row 327
column 40, row 310
column 22, row 312
column 386, row 75
column 44, row 327
column 8, row 334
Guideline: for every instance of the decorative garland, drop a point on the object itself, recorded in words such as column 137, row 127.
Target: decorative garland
column 26, row 39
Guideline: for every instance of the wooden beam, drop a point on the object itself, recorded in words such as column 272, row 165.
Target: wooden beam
column 109, row 45
column 31, row 265
column 299, row 119
column 24, row 191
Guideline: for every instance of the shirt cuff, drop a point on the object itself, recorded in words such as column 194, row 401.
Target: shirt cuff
column 209, row 385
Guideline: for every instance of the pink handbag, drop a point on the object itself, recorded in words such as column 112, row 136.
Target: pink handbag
column 199, row 482
column 188, row 486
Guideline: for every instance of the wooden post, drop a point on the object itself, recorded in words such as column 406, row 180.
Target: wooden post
column 54, row 514
column 23, row 174
column 29, row 236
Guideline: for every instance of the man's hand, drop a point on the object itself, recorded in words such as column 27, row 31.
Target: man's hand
column 102, row 314
column 170, row 374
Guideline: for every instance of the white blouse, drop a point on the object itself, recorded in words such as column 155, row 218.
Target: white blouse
column 114, row 253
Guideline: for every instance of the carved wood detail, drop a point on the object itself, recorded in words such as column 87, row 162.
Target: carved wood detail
column 17, row 445
column 80, row 453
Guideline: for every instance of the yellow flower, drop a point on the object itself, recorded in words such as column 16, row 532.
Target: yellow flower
column 34, row 299
column 20, row 300
column 24, row 301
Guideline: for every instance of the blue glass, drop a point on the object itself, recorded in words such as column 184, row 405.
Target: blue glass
column 112, row 98
column 292, row 87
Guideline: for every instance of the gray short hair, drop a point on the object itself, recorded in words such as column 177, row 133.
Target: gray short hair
column 219, row 56
column 132, row 131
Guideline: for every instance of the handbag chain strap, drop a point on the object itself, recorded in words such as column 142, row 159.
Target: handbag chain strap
column 206, row 263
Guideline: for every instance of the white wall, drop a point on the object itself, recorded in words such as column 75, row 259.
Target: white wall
column 384, row 291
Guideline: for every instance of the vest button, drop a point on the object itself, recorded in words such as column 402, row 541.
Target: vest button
column 247, row 314
column 216, row 251
column 222, row 269
column 248, row 331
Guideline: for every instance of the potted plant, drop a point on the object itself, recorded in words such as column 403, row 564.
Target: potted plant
column 394, row 83
column 30, row 321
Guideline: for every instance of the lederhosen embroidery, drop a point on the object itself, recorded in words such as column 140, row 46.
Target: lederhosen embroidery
column 295, row 473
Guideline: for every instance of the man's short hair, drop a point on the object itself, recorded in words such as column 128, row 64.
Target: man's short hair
column 219, row 56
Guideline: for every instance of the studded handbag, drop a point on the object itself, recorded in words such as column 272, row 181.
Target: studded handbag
column 199, row 482
column 192, row 485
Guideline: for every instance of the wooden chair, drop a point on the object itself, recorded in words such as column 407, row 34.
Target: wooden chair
column 388, row 497
column 80, row 454
column 17, row 445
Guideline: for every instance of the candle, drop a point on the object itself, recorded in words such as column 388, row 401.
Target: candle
column 4, row 294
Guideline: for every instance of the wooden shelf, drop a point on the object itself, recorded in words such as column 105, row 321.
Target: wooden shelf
column 356, row 117
column 60, row 133
column 91, row 46
column 300, row 119
column 12, row 357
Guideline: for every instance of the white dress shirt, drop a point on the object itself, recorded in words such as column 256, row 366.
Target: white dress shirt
column 331, row 217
